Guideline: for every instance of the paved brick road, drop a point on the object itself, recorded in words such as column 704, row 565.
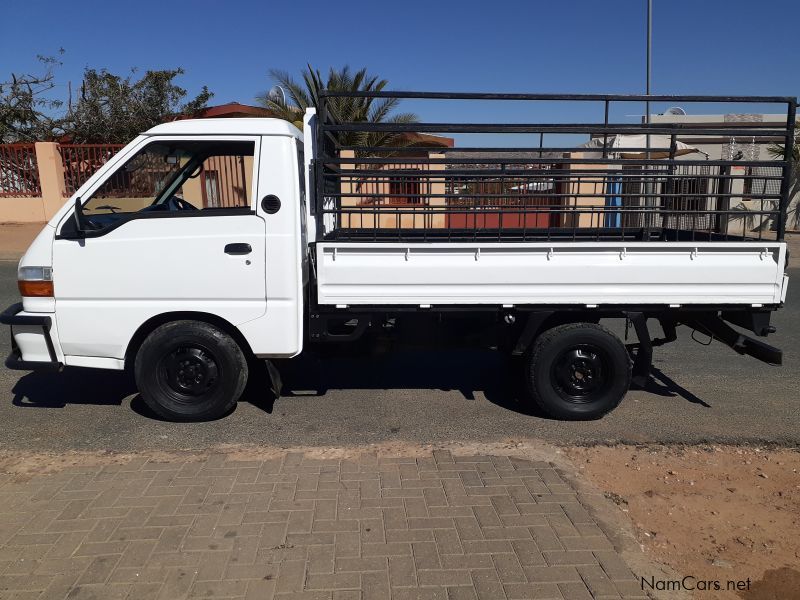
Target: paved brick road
column 295, row 527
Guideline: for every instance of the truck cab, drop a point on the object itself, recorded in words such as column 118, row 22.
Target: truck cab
column 189, row 222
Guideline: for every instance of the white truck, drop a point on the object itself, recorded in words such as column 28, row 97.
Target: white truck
column 206, row 244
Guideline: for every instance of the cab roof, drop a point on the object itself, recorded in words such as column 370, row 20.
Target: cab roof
column 227, row 126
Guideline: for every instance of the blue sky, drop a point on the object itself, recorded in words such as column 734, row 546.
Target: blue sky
column 700, row 46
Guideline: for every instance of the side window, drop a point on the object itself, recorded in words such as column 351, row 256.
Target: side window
column 225, row 181
column 177, row 176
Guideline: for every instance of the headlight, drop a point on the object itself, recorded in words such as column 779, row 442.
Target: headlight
column 35, row 281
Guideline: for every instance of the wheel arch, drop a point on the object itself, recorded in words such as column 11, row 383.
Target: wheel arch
column 156, row 321
column 540, row 321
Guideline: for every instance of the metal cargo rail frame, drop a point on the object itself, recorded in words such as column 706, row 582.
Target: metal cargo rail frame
column 416, row 190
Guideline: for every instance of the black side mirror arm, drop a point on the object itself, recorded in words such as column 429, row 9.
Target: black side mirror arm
column 80, row 221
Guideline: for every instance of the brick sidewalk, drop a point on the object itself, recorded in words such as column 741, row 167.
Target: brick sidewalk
column 442, row 526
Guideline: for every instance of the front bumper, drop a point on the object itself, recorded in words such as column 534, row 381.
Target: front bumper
column 31, row 343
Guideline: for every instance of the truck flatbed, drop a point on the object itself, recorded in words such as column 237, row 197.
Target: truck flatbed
column 627, row 213
column 581, row 273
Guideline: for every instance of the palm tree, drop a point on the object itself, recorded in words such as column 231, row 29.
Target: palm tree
column 345, row 109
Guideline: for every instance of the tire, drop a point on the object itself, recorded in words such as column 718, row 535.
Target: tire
column 577, row 372
column 190, row 371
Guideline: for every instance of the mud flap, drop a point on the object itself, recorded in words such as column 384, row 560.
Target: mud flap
column 275, row 383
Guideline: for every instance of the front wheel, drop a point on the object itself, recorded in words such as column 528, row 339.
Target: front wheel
column 190, row 371
column 577, row 371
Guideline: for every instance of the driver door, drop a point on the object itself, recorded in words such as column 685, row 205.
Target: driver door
column 173, row 230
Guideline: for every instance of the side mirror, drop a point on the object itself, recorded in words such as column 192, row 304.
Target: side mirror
column 80, row 220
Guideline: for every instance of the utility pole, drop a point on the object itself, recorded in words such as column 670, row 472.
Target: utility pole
column 649, row 44
column 649, row 50
column 649, row 200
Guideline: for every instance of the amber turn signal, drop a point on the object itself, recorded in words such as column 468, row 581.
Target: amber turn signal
column 39, row 289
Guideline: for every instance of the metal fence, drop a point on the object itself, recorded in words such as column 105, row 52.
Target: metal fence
column 223, row 181
column 80, row 161
column 618, row 181
column 19, row 172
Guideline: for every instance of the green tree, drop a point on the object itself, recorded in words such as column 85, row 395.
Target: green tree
column 115, row 109
column 301, row 96
column 26, row 109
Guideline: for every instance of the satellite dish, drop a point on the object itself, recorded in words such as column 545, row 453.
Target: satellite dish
column 675, row 110
column 277, row 94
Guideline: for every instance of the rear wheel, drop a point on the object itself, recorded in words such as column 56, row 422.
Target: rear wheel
column 190, row 371
column 577, row 371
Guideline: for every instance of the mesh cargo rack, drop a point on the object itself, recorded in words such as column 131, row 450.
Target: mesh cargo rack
column 597, row 180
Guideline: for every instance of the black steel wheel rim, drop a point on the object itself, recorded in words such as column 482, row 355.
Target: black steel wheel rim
column 189, row 371
column 581, row 373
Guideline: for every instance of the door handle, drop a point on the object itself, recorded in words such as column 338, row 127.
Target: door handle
column 238, row 249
